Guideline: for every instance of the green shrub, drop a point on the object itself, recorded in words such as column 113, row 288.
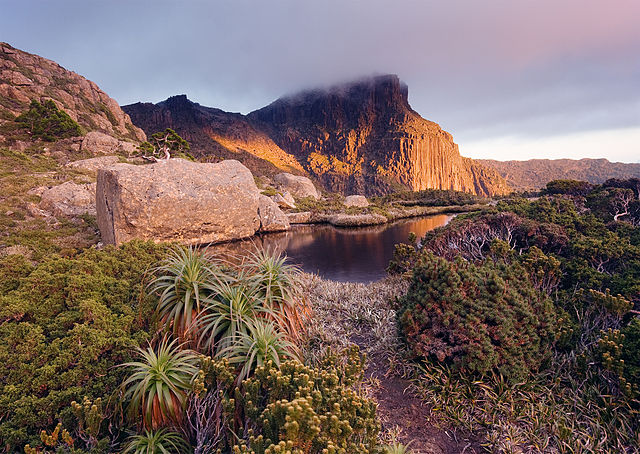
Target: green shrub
column 249, row 313
column 477, row 318
column 64, row 324
column 159, row 384
column 430, row 197
column 296, row 408
column 47, row 122
column 12, row 268
column 262, row 343
column 397, row 448
column 617, row 356
column 569, row 187
column 631, row 352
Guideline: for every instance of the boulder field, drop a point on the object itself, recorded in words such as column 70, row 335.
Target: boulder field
column 184, row 201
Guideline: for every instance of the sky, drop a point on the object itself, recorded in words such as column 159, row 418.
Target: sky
column 509, row 79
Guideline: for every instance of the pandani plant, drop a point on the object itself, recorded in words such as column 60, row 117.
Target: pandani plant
column 249, row 314
column 159, row 384
column 181, row 281
column 160, row 441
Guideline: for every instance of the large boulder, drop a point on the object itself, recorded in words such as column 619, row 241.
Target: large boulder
column 356, row 201
column 297, row 185
column 272, row 219
column 69, row 199
column 177, row 200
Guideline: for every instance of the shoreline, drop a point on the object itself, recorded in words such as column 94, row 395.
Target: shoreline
column 367, row 219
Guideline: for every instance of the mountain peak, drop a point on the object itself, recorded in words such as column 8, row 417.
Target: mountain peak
column 178, row 100
column 379, row 94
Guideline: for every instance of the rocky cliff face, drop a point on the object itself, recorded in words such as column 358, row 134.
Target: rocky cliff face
column 364, row 137
column 26, row 77
column 215, row 134
column 536, row 173
column 361, row 137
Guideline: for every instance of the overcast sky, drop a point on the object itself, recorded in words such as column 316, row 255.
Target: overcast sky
column 509, row 79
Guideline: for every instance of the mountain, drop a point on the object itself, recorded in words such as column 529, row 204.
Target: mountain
column 360, row 137
column 25, row 77
column 536, row 173
column 215, row 133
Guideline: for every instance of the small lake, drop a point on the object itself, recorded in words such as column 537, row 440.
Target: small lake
column 343, row 254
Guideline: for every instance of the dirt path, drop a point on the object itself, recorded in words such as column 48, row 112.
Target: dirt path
column 346, row 313
column 400, row 410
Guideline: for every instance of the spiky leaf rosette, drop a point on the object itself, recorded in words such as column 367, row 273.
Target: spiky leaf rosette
column 182, row 281
column 160, row 441
column 159, row 384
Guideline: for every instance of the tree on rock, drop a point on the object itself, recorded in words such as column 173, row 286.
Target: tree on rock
column 162, row 145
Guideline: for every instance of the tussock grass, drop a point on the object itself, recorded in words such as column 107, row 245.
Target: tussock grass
column 345, row 313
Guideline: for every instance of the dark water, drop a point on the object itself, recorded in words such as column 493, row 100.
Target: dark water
column 344, row 254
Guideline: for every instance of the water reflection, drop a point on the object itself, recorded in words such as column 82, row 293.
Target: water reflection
column 341, row 254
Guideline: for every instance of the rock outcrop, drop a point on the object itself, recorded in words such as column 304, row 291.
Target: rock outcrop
column 297, row 185
column 97, row 142
column 177, row 200
column 360, row 138
column 536, row 173
column 356, row 201
column 272, row 219
column 284, row 200
column 69, row 199
column 303, row 217
column 26, row 77
column 355, row 220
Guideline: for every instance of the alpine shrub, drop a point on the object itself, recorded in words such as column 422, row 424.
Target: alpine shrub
column 477, row 318
column 47, row 122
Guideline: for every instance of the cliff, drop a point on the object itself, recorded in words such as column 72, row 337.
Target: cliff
column 214, row 134
column 361, row 137
column 536, row 173
column 364, row 137
column 26, row 77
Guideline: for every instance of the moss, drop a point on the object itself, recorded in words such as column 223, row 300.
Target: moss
column 12, row 104
column 65, row 323
column 86, row 120
column 132, row 131
column 6, row 115
column 61, row 82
